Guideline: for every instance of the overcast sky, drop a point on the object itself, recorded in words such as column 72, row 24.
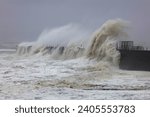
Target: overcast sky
column 24, row 20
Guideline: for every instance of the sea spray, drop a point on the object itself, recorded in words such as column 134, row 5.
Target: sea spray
column 71, row 41
column 103, row 42
column 52, row 41
column 24, row 48
column 91, row 76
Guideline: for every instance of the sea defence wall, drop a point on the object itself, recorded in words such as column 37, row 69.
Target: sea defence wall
column 135, row 60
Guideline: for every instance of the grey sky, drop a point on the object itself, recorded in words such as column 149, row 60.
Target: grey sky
column 24, row 20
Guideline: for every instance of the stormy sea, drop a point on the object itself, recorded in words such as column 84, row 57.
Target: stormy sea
column 70, row 63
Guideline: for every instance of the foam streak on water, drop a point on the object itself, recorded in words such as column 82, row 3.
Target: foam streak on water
column 42, row 78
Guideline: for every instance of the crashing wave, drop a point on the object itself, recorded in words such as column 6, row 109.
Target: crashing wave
column 24, row 48
column 69, row 42
column 103, row 42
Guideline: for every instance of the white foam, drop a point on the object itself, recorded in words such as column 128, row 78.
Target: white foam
column 43, row 78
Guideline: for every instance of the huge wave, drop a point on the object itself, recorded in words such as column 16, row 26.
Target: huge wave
column 72, row 41
column 63, row 42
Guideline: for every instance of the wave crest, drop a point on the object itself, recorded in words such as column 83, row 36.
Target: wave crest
column 70, row 41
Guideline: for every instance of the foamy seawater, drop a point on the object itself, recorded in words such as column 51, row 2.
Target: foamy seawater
column 38, row 77
column 64, row 64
